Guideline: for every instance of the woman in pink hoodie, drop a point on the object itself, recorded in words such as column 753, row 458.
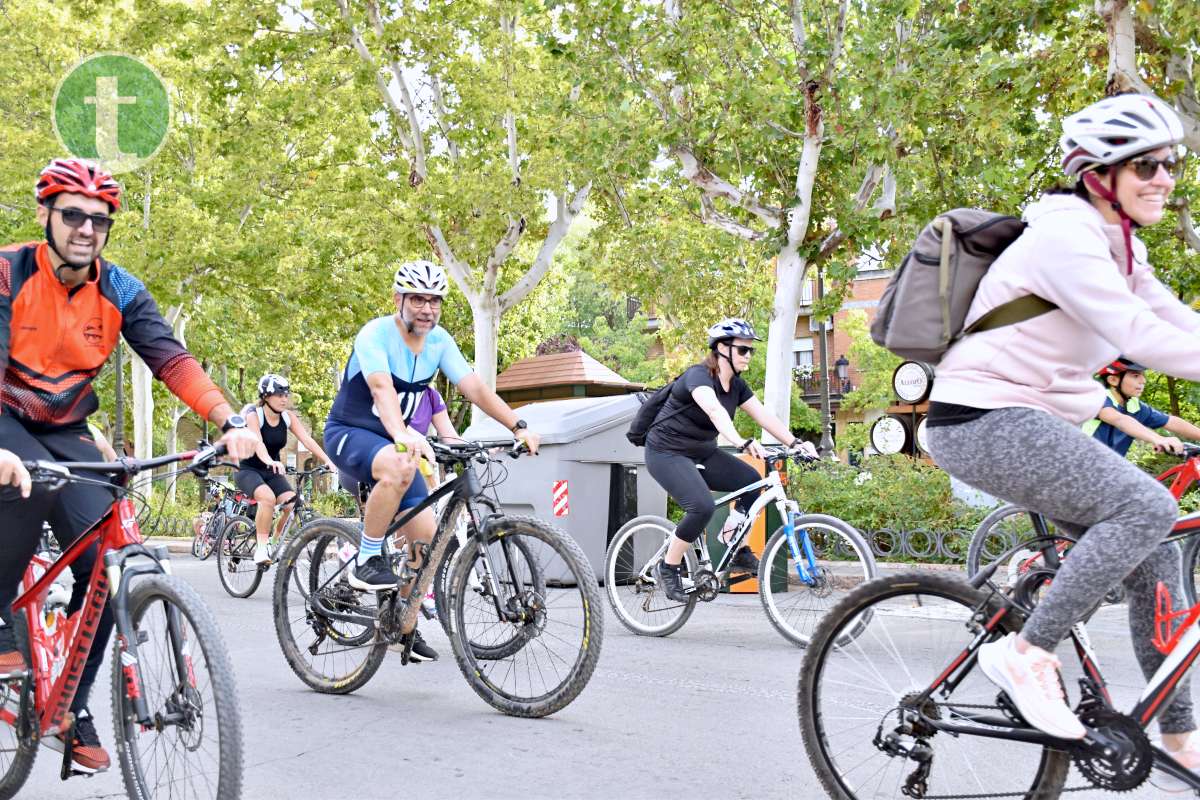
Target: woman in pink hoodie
column 1007, row 403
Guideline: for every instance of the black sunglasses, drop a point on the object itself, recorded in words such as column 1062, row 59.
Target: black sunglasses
column 743, row 350
column 74, row 218
column 1146, row 167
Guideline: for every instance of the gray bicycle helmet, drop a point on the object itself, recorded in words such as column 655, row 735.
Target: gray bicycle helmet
column 731, row 328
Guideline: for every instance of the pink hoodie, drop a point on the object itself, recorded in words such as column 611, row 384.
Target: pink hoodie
column 1070, row 256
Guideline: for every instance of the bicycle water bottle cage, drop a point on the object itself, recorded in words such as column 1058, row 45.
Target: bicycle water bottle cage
column 1165, row 638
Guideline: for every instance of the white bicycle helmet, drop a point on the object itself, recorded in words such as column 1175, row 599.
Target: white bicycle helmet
column 420, row 277
column 272, row 384
column 731, row 328
column 1117, row 128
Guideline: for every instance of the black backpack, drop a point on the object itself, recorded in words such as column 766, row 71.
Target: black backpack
column 647, row 416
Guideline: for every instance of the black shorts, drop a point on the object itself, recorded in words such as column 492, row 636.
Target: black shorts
column 248, row 479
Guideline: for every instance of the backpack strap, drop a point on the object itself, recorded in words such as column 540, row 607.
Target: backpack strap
column 1019, row 310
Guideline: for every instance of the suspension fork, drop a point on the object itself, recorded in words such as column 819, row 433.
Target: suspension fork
column 120, row 578
column 488, row 578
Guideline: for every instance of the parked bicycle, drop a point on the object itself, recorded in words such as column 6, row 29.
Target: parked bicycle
column 901, row 709
column 1009, row 525
column 527, row 639
column 239, row 574
column 809, row 562
column 175, row 706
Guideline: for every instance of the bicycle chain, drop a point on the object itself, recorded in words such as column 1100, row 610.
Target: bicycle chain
column 986, row 796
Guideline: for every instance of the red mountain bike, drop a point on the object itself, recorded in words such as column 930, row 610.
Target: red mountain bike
column 175, row 709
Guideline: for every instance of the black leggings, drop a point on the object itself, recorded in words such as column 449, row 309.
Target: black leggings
column 692, row 488
column 70, row 512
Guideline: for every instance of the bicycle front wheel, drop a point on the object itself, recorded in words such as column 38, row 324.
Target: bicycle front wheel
column 203, row 542
column 546, row 599
column 858, row 690
column 235, row 557
column 192, row 746
column 633, row 591
column 17, row 751
column 795, row 590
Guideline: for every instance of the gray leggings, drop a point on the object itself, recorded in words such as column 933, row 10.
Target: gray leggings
column 1122, row 515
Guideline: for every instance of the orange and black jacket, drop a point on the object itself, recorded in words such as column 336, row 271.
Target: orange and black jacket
column 54, row 341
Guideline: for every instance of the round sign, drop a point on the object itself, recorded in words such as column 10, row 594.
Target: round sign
column 912, row 381
column 889, row 435
column 922, row 442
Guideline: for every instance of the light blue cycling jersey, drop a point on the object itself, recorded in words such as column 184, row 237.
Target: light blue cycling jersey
column 379, row 347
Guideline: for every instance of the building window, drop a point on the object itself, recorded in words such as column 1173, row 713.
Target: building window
column 802, row 352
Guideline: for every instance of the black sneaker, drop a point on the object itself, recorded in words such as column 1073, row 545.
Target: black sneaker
column 671, row 581
column 373, row 576
column 744, row 561
column 420, row 650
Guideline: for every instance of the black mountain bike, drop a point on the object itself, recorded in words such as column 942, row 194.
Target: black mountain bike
column 525, row 618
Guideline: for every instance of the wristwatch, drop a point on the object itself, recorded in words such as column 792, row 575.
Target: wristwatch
column 233, row 421
column 745, row 444
column 519, row 425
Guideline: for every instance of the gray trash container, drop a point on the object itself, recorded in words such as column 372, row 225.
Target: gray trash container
column 584, row 444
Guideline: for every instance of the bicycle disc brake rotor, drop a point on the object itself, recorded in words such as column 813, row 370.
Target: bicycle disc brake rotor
column 530, row 608
column 707, row 585
column 1121, row 771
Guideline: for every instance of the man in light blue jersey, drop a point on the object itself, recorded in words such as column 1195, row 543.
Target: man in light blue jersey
column 367, row 433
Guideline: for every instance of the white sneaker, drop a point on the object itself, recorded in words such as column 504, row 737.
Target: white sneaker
column 1189, row 758
column 1031, row 681
column 262, row 555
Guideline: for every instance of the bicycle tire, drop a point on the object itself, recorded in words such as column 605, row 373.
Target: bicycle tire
column 300, row 569
column 235, row 556
column 574, row 575
column 206, row 649
column 24, row 752
column 796, row 628
column 623, row 567
column 817, row 719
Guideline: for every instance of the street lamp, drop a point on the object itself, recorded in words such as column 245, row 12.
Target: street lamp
column 842, row 365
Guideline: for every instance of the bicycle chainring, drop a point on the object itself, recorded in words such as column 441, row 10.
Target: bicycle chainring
column 1122, row 771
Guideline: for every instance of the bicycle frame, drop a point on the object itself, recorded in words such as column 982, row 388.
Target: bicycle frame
column 118, row 539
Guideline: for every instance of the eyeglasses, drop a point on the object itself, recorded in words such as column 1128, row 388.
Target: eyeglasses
column 1146, row 167
column 420, row 300
column 74, row 218
column 743, row 350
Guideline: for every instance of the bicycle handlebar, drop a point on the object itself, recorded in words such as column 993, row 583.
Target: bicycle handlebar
column 1191, row 450
column 62, row 471
column 465, row 450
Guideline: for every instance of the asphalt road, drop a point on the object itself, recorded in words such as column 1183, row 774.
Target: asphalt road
column 706, row 712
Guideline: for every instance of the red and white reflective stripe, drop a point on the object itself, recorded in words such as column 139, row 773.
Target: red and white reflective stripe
column 562, row 503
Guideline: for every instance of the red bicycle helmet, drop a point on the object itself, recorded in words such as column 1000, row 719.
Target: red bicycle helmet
column 1120, row 367
column 77, row 176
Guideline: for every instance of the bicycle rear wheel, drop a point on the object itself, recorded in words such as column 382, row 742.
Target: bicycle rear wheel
column 17, row 752
column 633, row 592
column 193, row 746
column 235, row 557
column 856, row 697
column 330, row 655
column 204, row 544
column 555, row 603
column 843, row 561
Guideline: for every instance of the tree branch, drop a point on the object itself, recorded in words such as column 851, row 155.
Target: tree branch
column 419, row 171
column 508, row 26
column 500, row 254
column 459, row 270
column 1187, row 228
column 566, row 214
column 439, row 110
column 364, row 53
column 714, row 187
column 839, row 41
column 710, row 216
column 800, row 39
column 886, row 207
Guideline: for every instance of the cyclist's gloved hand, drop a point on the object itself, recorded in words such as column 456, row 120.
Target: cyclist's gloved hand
column 754, row 448
column 277, row 467
column 531, row 439
column 1167, row 444
column 805, row 450
column 13, row 472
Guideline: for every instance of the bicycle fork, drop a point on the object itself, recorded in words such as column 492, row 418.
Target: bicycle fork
column 120, row 577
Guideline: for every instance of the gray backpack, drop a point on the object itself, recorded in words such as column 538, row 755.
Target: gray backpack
column 923, row 307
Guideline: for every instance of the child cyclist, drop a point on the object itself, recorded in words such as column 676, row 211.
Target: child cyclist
column 1125, row 417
